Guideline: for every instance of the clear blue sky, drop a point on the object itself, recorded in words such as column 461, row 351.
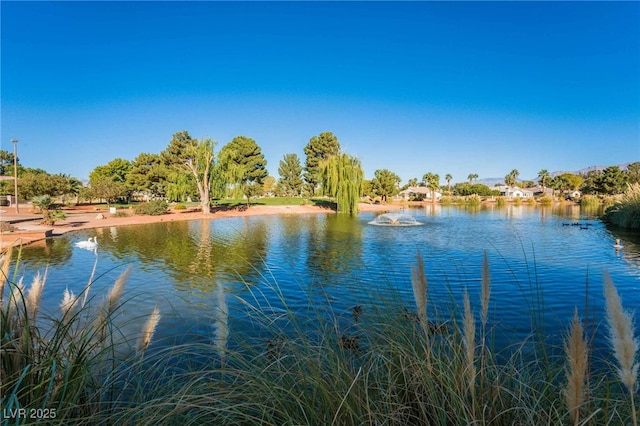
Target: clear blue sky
column 414, row 87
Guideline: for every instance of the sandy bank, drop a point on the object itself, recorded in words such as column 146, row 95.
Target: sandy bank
column 29, row 229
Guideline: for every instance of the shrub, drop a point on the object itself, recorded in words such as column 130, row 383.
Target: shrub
column 531, row 201
column 501, row 200
column 626, row 212
column 473, row 200
column 180, row 206
column 546, row 200
column 589, row 201
column 152, row 208
column 447, row 200
column 50, row 210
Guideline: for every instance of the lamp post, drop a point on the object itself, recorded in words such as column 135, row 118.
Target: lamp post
column 15, row 172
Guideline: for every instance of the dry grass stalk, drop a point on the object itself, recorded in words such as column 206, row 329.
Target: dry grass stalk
column 110, row 304
column 16, row 299
column 469, row 343
column 419, row 285
column 116, row 291
column 625, row 346
column 32, row 300
column 4, row 271
column 148, row 330
column 486, row 290
column 68, row 304
column 575, row 347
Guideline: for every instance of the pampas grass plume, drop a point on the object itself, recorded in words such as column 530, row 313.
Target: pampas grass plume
column 148, row 330
column 16, row 299
column 116, row 291
column 419, row 285
column 486, row 289
column 625, row 346
column 4, row 271
column 32, row 300
column 110, row 304
column 68, row 303
column 469, row 341
column 575, row 348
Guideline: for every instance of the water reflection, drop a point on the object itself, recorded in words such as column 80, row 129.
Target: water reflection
column 203, row 268
column 56, row 251
column 630, row 242
column 334, row 246
column 194, row 253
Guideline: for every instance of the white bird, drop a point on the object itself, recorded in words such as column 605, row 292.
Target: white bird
column 617, row 245
column 89, row 245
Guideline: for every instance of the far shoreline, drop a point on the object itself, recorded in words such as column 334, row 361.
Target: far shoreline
column 31, row 231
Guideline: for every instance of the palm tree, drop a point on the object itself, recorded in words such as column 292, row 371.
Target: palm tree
column 72, row 187
column 470, row 177
column 448, row 178
column 413, row 182
column 433, row 183
column 512, row 177
column 544, row 178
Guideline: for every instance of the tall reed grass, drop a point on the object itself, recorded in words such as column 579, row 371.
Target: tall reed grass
column 473, row 200
column 57, row 365
column 626, row 212
column 589, row 201
column 378, row 365
column 546, row 200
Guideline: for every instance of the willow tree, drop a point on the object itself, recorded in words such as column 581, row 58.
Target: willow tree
column 343, row 178
column 200, row 162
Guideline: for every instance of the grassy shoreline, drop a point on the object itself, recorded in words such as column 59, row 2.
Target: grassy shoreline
column 380, row 365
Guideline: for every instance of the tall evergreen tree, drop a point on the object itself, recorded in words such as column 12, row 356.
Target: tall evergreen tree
column 148, row 175
column 290, row 171
column 633, row 172
column 179, row 149
column 612, row 180
column 385, row 183
column 319, row 149
column 245, row 165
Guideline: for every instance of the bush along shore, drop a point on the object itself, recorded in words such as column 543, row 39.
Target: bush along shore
column 419, row 365
column 626, row 212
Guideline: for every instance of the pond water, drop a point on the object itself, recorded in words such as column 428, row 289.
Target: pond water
column 206, row 275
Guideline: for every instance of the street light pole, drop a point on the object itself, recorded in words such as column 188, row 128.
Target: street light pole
column 15, row 172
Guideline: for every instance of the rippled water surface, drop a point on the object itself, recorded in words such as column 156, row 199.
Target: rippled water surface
column 205, row 275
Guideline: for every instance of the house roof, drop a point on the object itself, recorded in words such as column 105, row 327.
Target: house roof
column 418, row 190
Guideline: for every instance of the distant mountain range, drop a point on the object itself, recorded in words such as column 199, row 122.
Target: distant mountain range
column 500, row 180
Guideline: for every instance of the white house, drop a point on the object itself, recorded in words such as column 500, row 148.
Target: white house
column 573, row 194
column 419, row 192
column 514, row 192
